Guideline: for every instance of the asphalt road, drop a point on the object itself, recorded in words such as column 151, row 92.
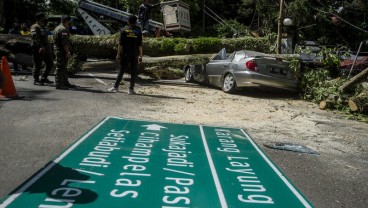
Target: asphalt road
column 37, row 128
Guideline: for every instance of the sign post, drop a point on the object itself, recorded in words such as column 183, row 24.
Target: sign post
column 133, row 163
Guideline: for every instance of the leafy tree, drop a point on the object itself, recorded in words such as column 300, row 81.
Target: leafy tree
column 19, row 11
column 61, row 7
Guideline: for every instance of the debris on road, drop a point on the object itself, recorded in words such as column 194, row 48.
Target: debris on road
column 291, row 147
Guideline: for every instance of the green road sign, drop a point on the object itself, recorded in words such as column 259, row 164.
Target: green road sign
column 129, row 163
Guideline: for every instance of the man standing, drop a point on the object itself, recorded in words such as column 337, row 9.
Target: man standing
column 129, row 52
column 144, row 14
column 41, row 51
column 62, row 48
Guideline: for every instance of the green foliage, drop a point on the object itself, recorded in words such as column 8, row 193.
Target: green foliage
column 316, row 85
column 206, row 45
column 163, row 72
column 231, row 28
column 330, row 60
column 61, row 7
column 181, row 46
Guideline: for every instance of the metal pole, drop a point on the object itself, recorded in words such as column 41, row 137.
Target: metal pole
column 279, row 26
column 356, row 56
column 204, row 16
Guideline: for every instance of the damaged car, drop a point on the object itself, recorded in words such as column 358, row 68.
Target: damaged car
column 241, row 69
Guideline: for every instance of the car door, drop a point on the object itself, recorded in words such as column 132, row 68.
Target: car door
column 216, row 67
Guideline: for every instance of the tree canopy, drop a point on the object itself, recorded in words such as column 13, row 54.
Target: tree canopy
column 329, row 21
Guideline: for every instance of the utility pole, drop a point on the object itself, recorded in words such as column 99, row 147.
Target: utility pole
column 279, row 26
column 204, row 16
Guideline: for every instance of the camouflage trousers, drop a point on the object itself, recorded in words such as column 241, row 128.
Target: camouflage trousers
column 37, row 60
column 61, row 74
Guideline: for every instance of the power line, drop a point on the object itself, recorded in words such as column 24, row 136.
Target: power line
column 356, row 27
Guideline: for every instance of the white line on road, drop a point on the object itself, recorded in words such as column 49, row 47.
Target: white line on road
column 277, row 171
column 220, row 192
column 97, row 79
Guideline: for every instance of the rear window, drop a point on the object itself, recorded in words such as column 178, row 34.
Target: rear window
column 239, row 55
column 254, row 53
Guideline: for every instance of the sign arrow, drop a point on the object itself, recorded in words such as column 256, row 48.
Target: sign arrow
column 154, row 127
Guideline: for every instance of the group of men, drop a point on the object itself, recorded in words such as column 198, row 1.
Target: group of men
column 129, row 49
column 41, row 52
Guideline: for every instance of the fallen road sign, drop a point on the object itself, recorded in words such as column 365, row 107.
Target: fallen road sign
column 130, row 163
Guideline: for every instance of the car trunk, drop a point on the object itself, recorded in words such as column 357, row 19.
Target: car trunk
column 280, row 69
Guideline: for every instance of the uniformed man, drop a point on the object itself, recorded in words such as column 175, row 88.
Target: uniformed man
column 41, row 51
column 63, row 50
column 144, row 14
column 129, row 52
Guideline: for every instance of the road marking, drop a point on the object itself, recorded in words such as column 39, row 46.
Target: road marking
column 216, row 179
column 277, row 171
column 97, row 79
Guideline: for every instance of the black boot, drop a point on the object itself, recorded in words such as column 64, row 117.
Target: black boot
column 70, row 85
column 62, row 87
column 37, row 82
column 46, row 81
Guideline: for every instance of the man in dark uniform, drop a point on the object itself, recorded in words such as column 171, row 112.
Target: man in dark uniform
column 63, row 49
column 41, row 50
column 129, row 52
column 144, row 14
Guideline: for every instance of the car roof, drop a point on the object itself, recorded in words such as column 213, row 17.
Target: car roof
column 254, row 53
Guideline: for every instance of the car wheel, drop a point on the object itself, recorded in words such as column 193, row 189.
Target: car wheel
column 229, row 84
column 188, row 74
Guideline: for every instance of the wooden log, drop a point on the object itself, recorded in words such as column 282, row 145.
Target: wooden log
column 324, row 104
column 328, row 102
column 352, row 105
column 355, row 80
column 359, row 103
column 147, row 61
column 333, row 101
column 180, row 60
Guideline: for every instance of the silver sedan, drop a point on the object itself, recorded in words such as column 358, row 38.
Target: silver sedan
column 241, row 69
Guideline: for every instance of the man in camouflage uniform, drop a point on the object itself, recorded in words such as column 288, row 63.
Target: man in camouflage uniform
column 41, row 50
column 62, row 48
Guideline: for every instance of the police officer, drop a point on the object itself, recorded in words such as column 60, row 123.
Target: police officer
column 63, row 50
column 41, row 50
column 129, row 52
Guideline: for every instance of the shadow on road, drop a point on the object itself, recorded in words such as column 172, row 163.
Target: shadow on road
column 29, row 95
column 87, row 89
column 161, row 96
column 267, row 93
column 52, row 181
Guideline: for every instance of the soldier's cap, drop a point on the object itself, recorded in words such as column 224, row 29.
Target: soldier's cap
column 40, row 15
column 65, row 18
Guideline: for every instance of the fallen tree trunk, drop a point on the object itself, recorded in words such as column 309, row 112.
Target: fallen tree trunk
column 165, row 61
column 359, row 103
column 355, row 80
column 181, row 60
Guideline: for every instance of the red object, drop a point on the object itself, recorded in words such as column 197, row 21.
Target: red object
column 251, row 65
column 8, row 90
